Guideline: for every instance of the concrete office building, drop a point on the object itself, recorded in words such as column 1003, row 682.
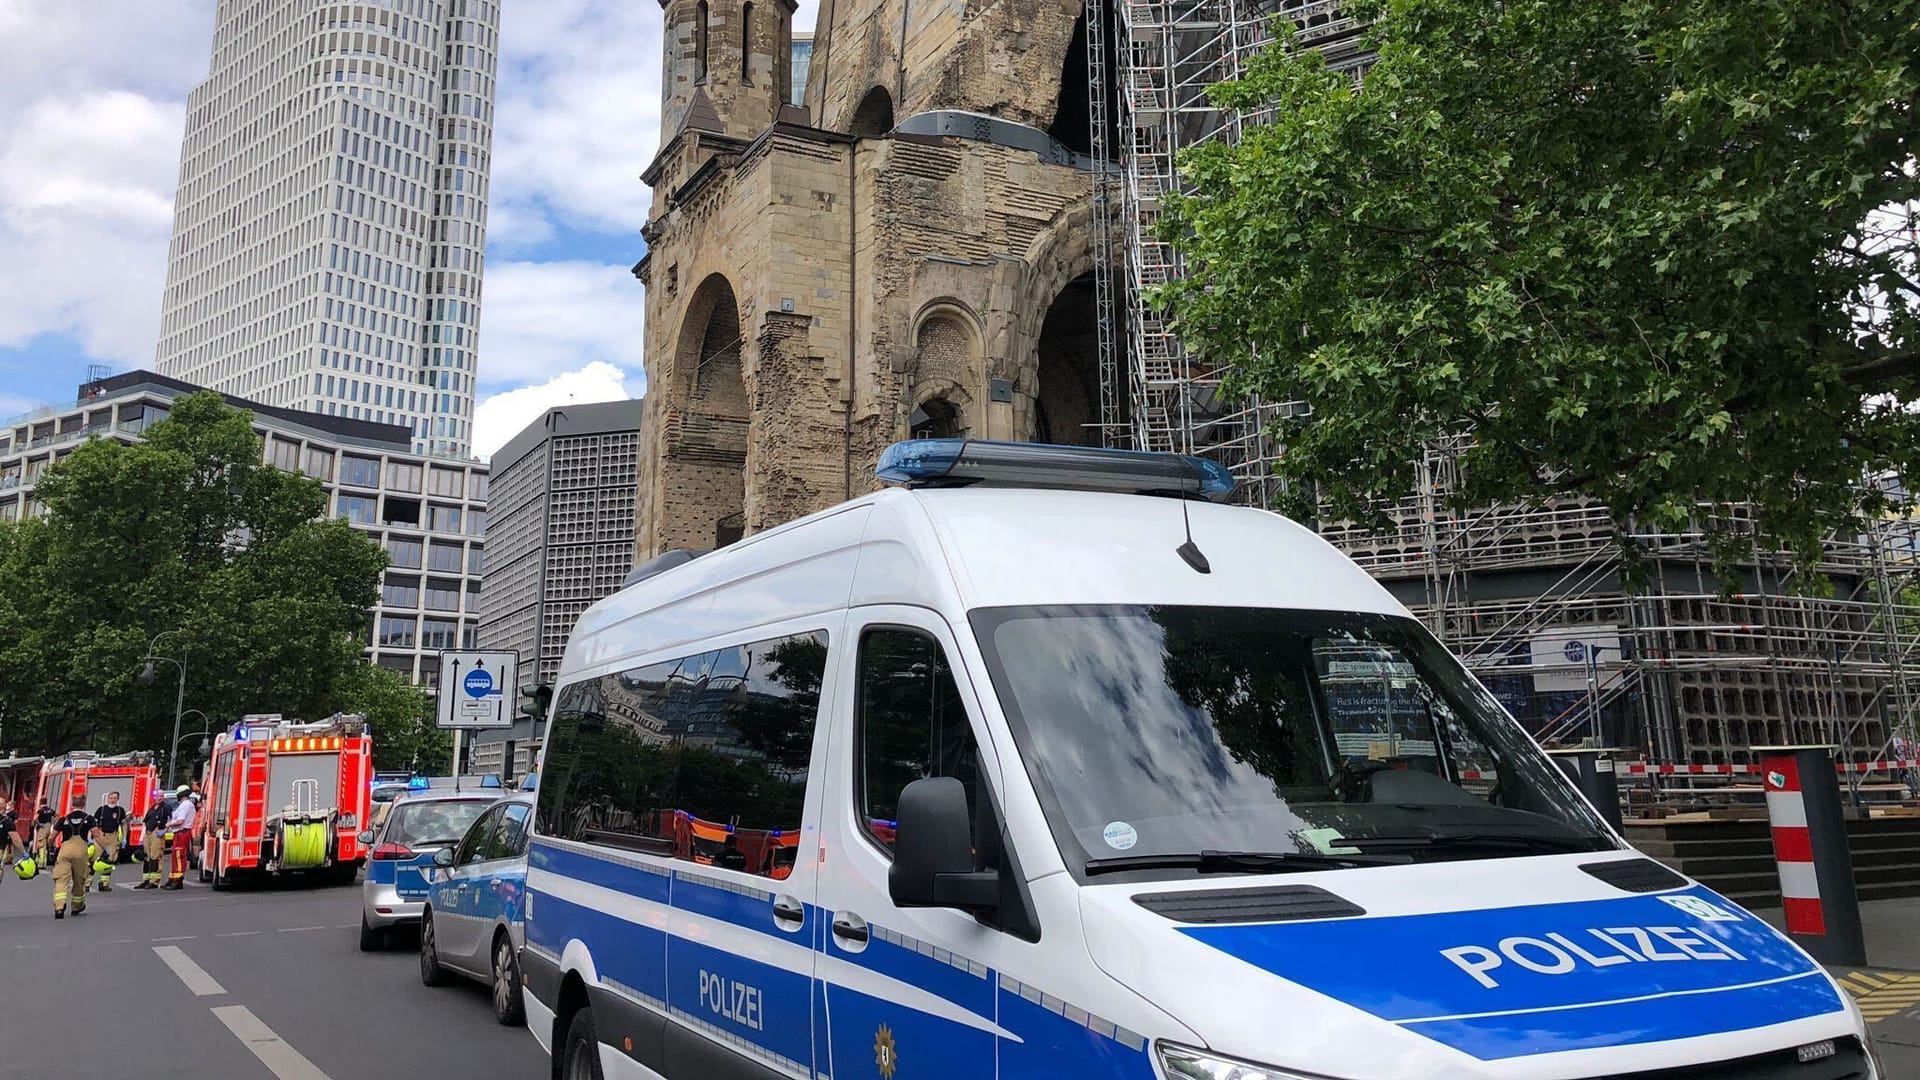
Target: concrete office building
column 429, row 514
column 330, row 222
column 560, row 538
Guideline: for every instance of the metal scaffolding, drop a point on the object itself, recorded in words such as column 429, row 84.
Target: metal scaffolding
column 1692, row 672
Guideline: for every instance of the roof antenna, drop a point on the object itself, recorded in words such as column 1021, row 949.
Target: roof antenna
column 1189, row 551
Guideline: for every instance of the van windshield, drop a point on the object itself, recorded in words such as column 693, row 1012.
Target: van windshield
column 1230, row 732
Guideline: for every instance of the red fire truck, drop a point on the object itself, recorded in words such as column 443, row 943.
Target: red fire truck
column 134, row 776
column 287, row 797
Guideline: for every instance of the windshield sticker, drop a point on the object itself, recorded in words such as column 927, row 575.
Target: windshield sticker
column 1326, row 841
column 1119, row 835
column 1513, row 982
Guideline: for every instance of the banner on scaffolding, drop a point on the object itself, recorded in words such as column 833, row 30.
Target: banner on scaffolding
column 1565, row 657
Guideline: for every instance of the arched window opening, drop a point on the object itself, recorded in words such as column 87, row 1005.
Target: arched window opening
column 700, row 42
column 874, row 117
column 936, row 418
column 746, row 43
column 1067, row 406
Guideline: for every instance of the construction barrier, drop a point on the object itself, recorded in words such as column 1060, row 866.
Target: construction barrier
column 1821, row 908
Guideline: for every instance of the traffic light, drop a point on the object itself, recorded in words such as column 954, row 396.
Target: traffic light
column 536, row 700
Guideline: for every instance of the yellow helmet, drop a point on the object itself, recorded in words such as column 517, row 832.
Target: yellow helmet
column 93, row 851
column 26, row 868
column 100, row 866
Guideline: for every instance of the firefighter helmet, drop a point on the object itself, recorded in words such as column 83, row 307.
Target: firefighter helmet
column 93, row 852
column 100, row 866
column 26, row 868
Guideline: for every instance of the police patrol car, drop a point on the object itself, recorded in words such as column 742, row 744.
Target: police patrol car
column 1019, row 771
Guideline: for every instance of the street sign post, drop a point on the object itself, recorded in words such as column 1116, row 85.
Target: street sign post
column 476, row 693
column 477, row 689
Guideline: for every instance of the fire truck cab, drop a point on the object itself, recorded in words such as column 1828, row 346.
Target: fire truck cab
column 79, row 772
column 286, row 797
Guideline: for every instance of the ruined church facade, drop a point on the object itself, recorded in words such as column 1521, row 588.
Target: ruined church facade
column 908, row 252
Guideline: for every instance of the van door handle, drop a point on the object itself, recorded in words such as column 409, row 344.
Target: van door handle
column 851, row 930
column 788, row 912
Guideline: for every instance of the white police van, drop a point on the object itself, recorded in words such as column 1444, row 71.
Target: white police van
column 1018, row 773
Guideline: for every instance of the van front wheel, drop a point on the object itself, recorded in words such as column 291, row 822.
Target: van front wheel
column 580, row 1058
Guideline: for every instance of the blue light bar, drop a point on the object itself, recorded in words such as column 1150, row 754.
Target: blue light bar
column 954, row 462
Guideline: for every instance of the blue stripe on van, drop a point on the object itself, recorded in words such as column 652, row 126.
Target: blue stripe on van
column 1506, row 982
column 625, row 952
column 605, row 873
column 1494, row 1037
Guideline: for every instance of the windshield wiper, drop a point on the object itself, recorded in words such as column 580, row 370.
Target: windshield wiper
column 1243, row 862
column 1471, row 841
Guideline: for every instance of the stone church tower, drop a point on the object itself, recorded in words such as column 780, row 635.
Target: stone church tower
column 907, row 252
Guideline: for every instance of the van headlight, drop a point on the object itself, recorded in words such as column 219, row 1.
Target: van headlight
column 1186, row 1063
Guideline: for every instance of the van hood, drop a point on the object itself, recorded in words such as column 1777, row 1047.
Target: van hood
column 1522, row 967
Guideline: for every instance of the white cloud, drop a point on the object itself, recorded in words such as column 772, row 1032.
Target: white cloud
column 92, row 104
column 578, row 116
column 540, row 318
column 501, row 416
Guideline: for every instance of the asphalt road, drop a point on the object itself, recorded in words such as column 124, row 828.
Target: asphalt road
column 266, row 983
column 269, row 984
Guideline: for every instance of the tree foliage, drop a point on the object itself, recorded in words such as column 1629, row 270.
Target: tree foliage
column 1640, row 250
column 187, row 533
column 401, row 716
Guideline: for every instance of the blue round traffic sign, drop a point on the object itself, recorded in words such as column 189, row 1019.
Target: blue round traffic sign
column 478, row 683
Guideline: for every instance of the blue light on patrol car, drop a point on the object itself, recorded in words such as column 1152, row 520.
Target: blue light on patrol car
column 953, row 462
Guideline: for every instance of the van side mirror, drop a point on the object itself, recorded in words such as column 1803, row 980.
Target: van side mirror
column 443, row 857
column 933, row 864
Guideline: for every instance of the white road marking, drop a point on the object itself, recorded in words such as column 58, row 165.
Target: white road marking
column 195, row 976
column 241, row 933
column 299, row 929
column 281, row 1059
column 182, row 937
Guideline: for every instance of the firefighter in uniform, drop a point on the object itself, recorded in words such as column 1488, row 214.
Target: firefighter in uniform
column 9, row 838
column 42, row 830
column 112, row 819
column 153, row 847
column 72, row 866
column 179, row 835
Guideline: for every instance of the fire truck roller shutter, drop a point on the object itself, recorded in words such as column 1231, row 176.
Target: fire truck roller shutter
column 288, row 770
column 98, row 786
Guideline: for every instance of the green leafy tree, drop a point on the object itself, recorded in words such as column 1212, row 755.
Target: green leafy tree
column 187, row 532
column 1658, row 252
column 401, row 716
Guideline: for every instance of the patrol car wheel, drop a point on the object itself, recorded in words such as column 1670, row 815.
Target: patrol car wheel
column 371, row 940
column 508, row 1007
column 581, row 1060
column 431, row 973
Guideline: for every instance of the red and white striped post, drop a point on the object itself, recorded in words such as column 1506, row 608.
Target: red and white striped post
column 1811, row 853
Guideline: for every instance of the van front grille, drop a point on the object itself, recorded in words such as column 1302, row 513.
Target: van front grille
column 1847, row 1062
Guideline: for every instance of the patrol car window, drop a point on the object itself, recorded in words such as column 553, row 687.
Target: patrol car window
column 438, row 823
column 1178, row 730
column 478, row 841
column 910, row 724
column 511, row 840
column 703, row 758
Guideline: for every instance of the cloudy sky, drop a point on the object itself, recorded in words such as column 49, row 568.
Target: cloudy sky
column 92, row 104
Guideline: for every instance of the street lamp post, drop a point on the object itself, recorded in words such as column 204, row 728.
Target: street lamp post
column 203, row 734
column 146, row 677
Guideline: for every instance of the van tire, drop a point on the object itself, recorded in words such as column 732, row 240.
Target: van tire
column 580, row 1053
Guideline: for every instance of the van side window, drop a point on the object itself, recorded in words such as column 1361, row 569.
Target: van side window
column 910, row 724
column 703, row 758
